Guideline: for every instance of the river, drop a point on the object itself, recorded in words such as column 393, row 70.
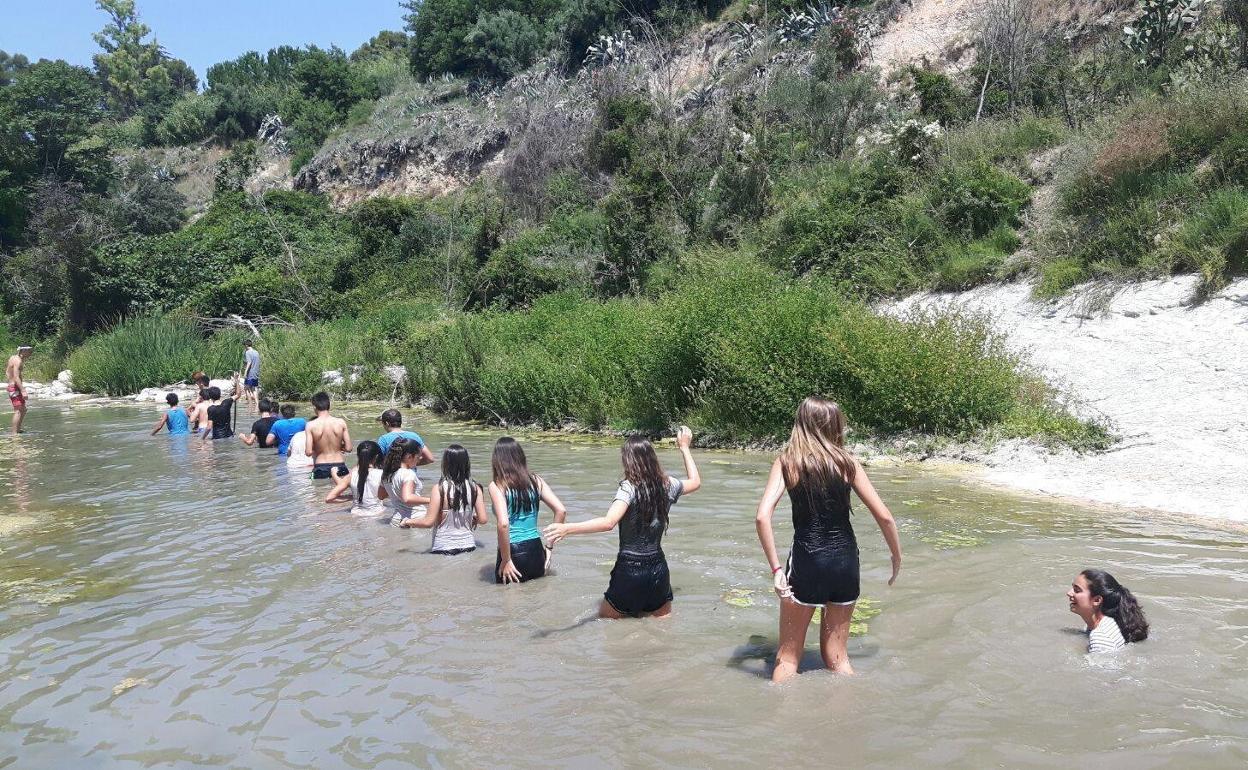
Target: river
column 167, row 605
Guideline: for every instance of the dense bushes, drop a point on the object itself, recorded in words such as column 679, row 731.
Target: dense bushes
column 734, row 351
column 151, row 351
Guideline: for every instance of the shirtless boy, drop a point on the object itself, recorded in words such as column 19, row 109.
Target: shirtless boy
column 328, row 438
column 199, row 412
column 17, row 388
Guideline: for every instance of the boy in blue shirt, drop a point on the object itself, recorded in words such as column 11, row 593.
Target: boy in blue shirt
column 285, row 429
column 175, row 419
column 392, row 421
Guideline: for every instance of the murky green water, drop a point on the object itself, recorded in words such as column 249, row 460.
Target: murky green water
column 166, row 606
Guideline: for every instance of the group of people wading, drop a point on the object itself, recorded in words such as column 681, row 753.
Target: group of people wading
column 814, row 469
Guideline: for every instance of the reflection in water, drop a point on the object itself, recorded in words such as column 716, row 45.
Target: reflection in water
column 177, row 604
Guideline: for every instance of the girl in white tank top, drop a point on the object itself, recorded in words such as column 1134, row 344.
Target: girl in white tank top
column 456, row 506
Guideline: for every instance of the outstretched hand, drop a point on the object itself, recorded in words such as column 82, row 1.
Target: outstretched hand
column 555, row 532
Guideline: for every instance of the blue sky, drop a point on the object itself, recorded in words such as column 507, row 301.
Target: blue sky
column 202, row 32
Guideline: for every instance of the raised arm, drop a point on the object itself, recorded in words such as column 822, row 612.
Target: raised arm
column 558, row 531
column 164, row 419
column 693, row 480
column 551, row 499
column 883, row 517
column 766, row 535
column 506, row 570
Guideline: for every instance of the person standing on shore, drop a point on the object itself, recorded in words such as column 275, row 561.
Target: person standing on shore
column 17, row 388
column 251, row 375
column 327, row 439
column 822, row 571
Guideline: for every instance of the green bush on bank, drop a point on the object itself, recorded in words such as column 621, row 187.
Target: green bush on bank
column 734, row 352
column 151, row 351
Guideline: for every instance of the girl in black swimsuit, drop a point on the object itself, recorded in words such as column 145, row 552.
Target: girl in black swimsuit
column 822, row 569
column 640, row 582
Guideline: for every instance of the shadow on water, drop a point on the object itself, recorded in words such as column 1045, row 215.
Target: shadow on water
column 546, row 632
column 757, row 657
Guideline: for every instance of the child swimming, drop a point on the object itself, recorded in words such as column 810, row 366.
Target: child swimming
column 456, row 505
column 640, row 581
column 515, row 494
column 1094, row 596
column 363, row 483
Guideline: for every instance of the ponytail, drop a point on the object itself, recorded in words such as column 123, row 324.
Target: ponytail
column 401, row 449
column 1118, row 603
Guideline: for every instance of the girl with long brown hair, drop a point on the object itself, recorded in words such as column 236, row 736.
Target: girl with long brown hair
column 822, row 571
column 640, row 581
column 516, row 494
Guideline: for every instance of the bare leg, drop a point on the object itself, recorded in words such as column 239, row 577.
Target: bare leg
column 663, row 612
column 794, row 620
column 19, row 414
column 834, row 637
column 607, row 612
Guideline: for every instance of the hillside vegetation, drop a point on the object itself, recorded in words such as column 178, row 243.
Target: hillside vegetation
column 630, row 219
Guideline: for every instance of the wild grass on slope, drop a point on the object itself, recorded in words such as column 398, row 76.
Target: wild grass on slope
column 151, row 351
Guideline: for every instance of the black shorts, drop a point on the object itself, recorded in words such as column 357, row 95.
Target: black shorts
column 823, row 577
column 455, row 551
column 639, row 584
column 326, row 470
column 529, row 556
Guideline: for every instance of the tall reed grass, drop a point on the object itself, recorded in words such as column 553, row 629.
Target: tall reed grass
column 150, row 352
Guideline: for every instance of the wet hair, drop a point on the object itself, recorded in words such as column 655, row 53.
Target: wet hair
column 400, row 449
column 1118, row 603
column 642, row 470
column 392, row 418
column 368, row 456
column 171, row 399
column 511, row 472
column 266, row 405
column 288, row 411
column 248, row 344
column 320, row 402
column 196, row 376
column 205, row 394
column 457, row 484
column 204, row 381
column 214, row 393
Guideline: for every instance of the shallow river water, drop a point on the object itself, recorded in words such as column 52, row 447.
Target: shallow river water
column 163, row 605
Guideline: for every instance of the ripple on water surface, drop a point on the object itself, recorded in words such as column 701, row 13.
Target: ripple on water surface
column 167, row 603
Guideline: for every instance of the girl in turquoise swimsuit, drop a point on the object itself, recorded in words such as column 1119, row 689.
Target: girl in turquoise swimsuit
column 516, row 494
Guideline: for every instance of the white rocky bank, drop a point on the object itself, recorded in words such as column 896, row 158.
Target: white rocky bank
column 1170, row 377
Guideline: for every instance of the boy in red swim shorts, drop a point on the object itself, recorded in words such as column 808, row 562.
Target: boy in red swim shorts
column 17, row 388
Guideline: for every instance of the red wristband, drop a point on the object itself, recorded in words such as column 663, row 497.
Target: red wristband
column 777, row 569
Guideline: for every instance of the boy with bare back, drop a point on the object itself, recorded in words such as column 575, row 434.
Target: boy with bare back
column 328, row 438
column 17, row 388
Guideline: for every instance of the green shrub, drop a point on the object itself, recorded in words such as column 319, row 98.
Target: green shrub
column 977, row 198
column 150, row 351
column 190, row 119
column 1060, row 275
column 940, row 98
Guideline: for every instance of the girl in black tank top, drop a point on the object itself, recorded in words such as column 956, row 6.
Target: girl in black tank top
column 640, row 581
column 822, row 569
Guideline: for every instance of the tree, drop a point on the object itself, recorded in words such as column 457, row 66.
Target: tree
column 135, row 73
column 54, row 106
column 11, row 66
column 146, row 202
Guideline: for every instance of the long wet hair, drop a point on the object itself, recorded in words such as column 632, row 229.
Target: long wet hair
column 458, row 488
column 511, row 472
column 642, row 470
column 1118, row 603
column 400, row 450
column 367, row 456
column 816, row 453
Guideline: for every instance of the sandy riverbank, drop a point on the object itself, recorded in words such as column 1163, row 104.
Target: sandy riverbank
column 1169, row 377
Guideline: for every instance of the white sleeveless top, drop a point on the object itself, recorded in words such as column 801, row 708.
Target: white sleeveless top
column 371, row 505
column 297, row 455
column 454, row 533
column 395, row 487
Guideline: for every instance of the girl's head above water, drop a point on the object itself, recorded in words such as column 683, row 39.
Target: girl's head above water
column 642, row 470
column 401, row 451
column 368, row 456
column 1096, row 592
column 456, row 467
column 511, row 467
column 816, row 449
